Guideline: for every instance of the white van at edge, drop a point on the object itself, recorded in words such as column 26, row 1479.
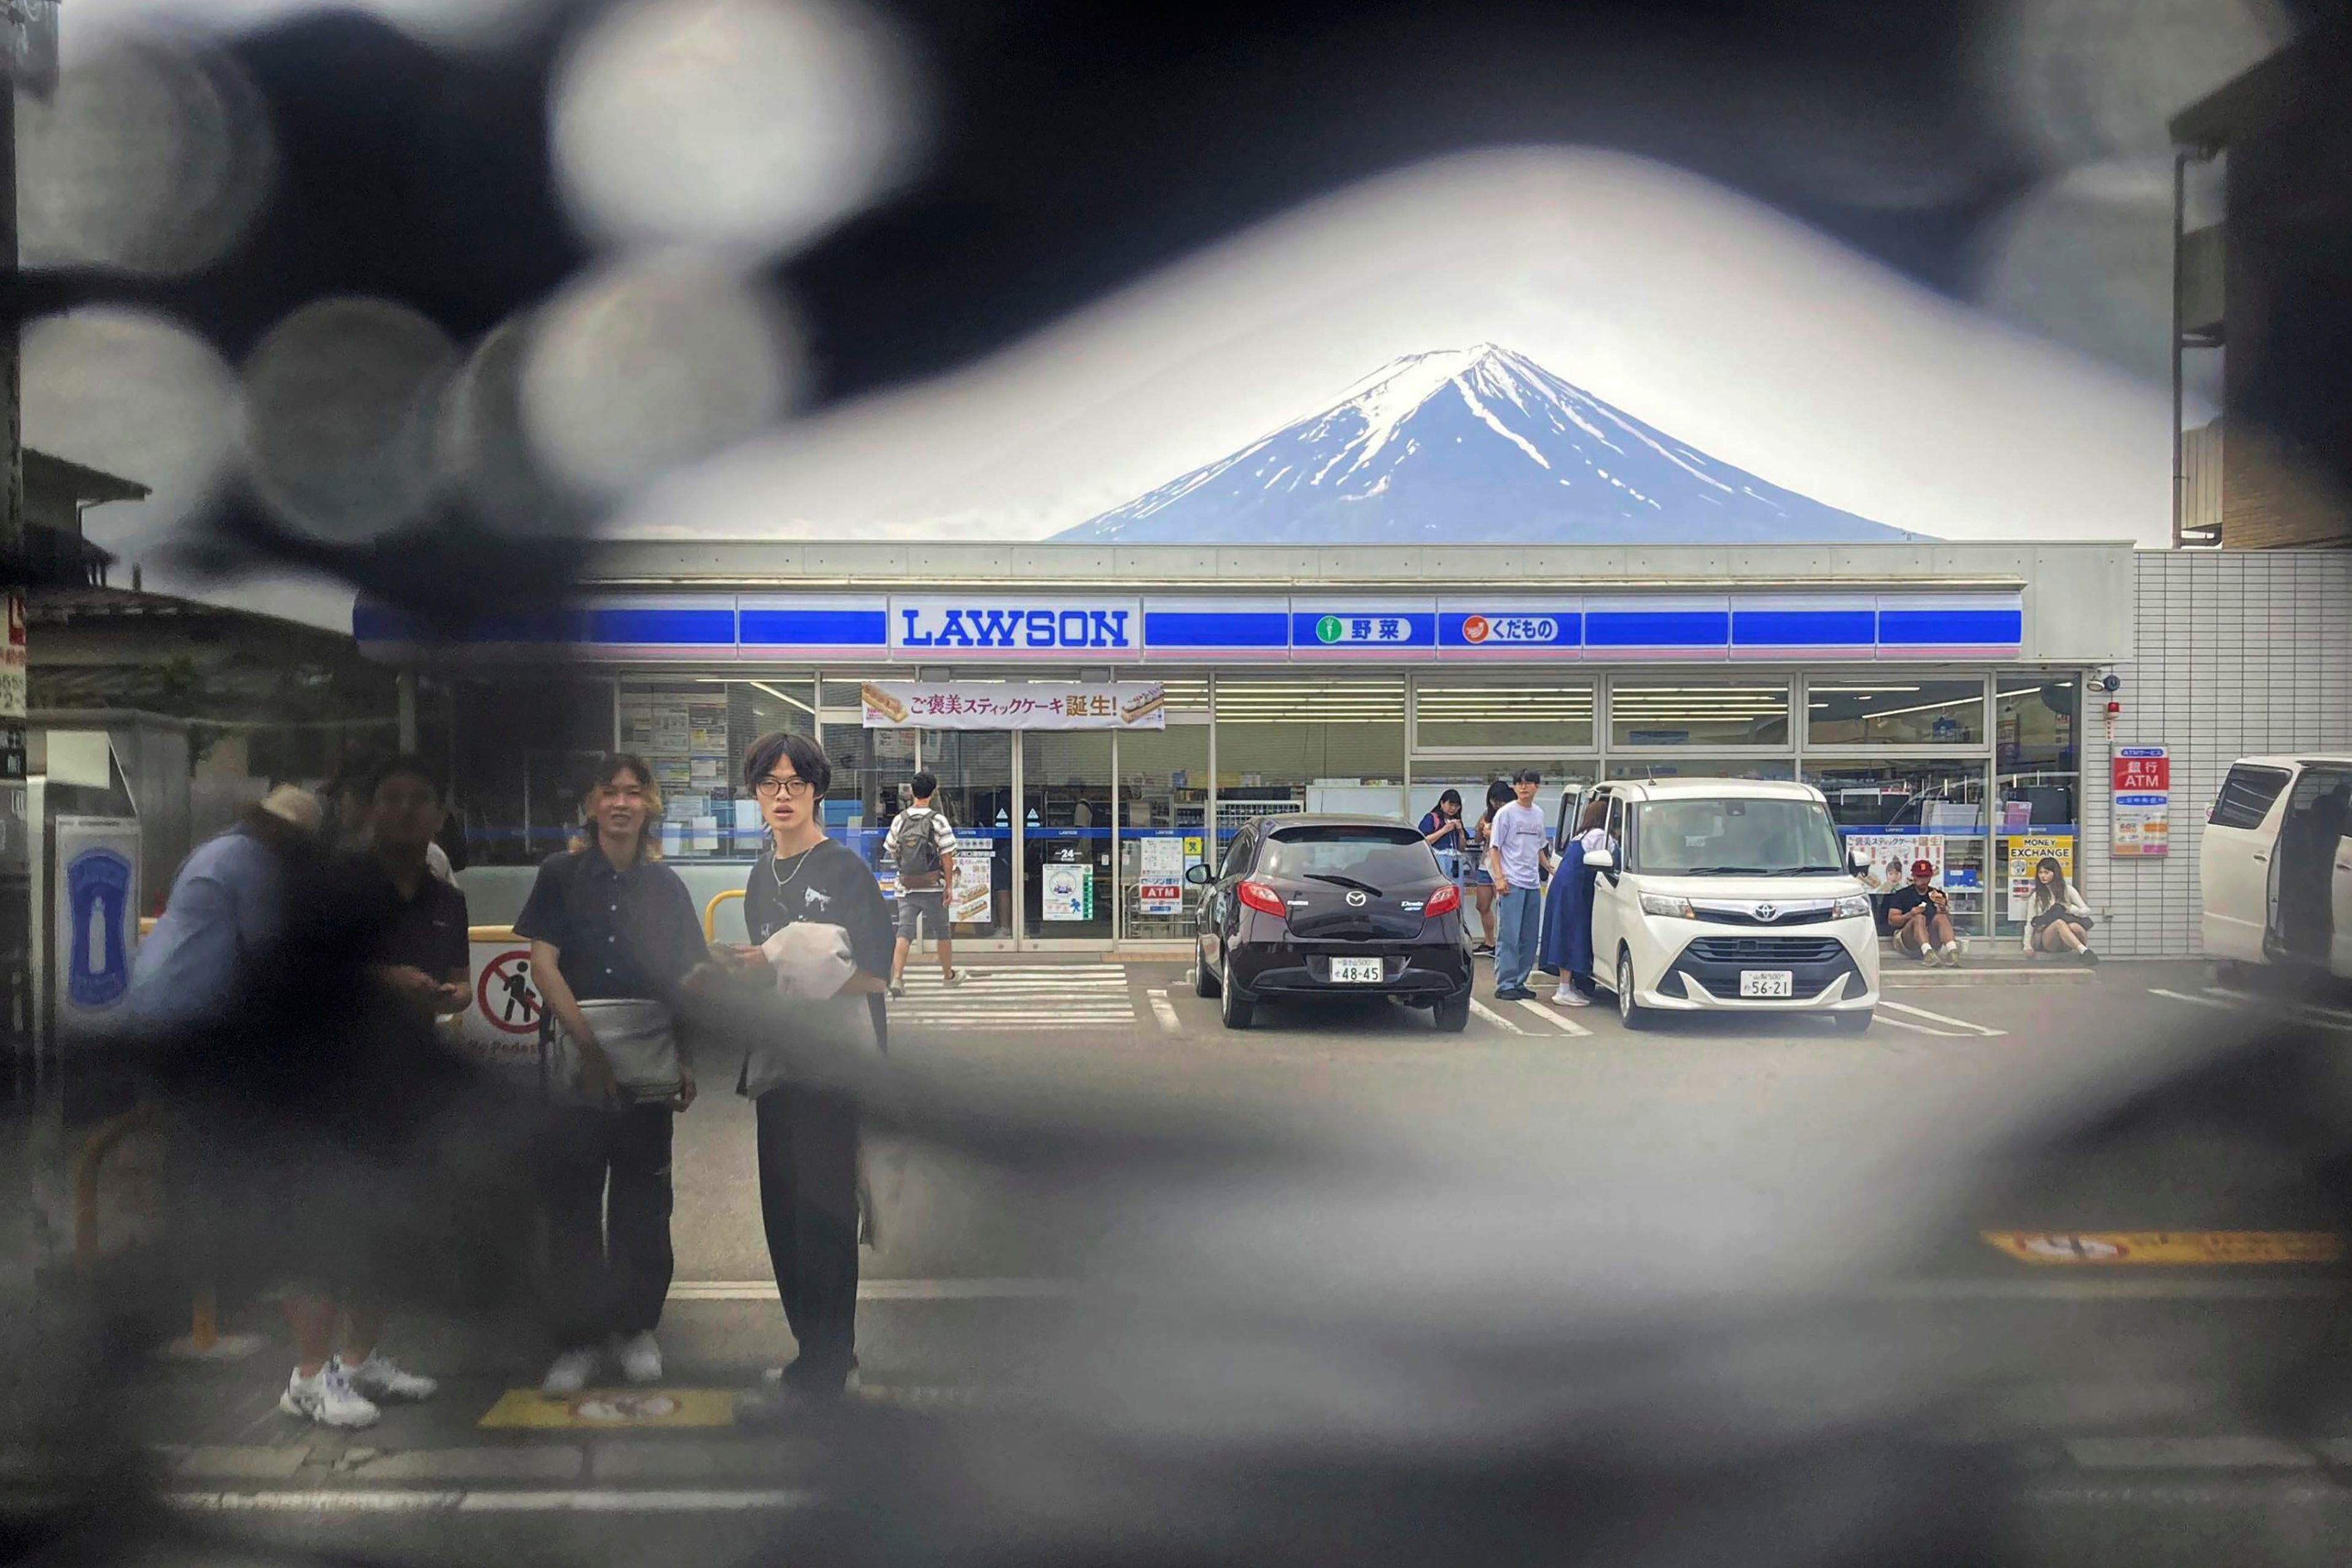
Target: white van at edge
column 1731, row 895
column 2276, row 868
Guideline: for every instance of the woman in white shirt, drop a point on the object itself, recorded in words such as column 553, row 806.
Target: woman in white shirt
column 2060, row 920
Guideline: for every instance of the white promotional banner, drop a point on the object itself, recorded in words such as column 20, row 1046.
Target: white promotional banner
column 1026, row 705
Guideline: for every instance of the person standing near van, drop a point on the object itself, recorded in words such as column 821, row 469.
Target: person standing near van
column 1477, row 880
column 1919, row 918
column 1517, row 857
column 922, row 843
column 613, row 935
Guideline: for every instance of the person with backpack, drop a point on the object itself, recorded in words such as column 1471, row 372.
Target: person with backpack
column 923, row 844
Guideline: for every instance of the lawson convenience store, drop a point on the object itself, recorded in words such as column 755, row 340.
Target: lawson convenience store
column 1101, row 717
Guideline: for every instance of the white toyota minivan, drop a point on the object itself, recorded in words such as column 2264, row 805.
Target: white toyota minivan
column 1730, row 895
column 2276, row 869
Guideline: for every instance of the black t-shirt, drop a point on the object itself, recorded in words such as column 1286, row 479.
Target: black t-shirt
column 1902, row 901
column 629, row 933
column 828, row 886
column 426, row 931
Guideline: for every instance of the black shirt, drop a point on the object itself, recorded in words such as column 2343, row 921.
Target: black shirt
column 424, row 931
column 1902, row 901
column 629, row 933
column 829, row 885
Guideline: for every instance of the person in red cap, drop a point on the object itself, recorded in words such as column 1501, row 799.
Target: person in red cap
column 1919, row 918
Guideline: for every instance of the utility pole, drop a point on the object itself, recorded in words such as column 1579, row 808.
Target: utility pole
column 31, row 64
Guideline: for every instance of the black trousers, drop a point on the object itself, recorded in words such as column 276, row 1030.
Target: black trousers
column 808, row 1203
column 608, row 1204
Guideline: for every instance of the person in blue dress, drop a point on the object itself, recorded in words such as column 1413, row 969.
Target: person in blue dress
column 1567, row 950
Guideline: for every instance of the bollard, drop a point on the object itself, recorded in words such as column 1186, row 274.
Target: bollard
column 710, row 913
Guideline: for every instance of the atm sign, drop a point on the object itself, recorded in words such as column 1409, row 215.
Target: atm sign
column 1485, row 629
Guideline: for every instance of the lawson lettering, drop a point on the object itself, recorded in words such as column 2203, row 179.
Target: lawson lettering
column 993, row 626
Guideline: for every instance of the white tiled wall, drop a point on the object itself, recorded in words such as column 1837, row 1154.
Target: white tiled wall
column 2239, row 653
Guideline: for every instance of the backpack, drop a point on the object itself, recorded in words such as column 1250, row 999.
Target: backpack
column 918, row 849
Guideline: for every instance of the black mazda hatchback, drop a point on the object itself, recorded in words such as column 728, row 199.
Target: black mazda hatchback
column 1309, row 906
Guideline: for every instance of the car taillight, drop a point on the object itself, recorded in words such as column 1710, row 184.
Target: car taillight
column 1444, row 901
column 1264, row 900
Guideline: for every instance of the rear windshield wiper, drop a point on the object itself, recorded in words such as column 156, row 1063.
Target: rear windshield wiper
column 1347, row 881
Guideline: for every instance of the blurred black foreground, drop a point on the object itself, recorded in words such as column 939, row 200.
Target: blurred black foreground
column 1311, row 1345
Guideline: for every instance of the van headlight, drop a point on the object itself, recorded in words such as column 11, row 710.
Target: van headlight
column 1671, row 908
column 1856, row 906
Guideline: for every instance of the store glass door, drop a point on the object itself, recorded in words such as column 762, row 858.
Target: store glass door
column 1066, row 836
column 974, row 768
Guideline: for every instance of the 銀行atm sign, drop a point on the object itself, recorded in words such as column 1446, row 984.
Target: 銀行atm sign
column 2142, row 769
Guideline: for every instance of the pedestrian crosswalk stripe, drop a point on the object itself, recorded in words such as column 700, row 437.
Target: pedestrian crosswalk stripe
column 1023, row 997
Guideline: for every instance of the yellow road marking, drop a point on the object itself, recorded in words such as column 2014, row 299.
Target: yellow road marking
column 2107, row 1247
column 611, row 1410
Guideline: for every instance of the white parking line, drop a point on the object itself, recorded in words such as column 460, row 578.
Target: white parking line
column 1919, row 1028
column 1962, row 1024
column 2200, row 1001
column 2312, row 1009
column 1566, row 1025
column 1492, row 1017
column 1165, row 1011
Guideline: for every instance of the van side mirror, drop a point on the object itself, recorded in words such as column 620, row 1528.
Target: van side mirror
column 1600, row 859
column 1859, row 859
column 1198, row 875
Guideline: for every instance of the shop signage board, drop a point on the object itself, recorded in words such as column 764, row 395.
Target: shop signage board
column 1159, row 879
column 1892, row 855
column 97, row 922
column 1067, row 893
column 13, row 691
column 2024, row 855
column 2189, row 1248
column 1015, row 625
column 1026, row 705
column 972, row 900
column 2142, row 779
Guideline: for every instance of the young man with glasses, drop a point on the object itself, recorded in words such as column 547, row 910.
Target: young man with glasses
column 808, row 1131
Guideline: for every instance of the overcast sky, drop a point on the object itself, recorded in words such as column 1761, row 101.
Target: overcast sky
column 1749, row 336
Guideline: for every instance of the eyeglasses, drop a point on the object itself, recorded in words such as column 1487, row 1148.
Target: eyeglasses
column 768, row 788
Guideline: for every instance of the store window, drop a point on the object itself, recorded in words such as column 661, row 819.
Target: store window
column 1308, row 742
column 1701, row 768
column 2038, row 774
column 1530, row 714
column 1565, row 780
column 1645, row 714
column 520, row 752
column 1874, row 710
column 1070, row 882
column 1898, row 813
column 1163, row 805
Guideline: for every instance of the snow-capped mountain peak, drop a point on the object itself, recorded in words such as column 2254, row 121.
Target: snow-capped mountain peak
column 1475, row 443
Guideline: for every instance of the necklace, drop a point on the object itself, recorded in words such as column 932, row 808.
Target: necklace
column 782, row 881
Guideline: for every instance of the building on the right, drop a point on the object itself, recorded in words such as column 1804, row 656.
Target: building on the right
column 2262, row 268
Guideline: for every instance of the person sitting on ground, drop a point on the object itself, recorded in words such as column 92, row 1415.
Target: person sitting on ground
column 2060, row 920
column 1919, row 918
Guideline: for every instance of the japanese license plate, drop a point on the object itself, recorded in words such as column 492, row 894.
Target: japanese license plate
column 1358, row 972
column 1768, row 983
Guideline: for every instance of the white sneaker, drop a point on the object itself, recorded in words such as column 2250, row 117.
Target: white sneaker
column 571, row 1371
column 381, row 1379
column 1569, row 996
column 327, row 1397
column 640, row 1357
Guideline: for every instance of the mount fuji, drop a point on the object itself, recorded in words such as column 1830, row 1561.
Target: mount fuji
column 1473, row 446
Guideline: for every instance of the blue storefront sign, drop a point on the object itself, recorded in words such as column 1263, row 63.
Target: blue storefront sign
column 1212, row 629
column 978, row 623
